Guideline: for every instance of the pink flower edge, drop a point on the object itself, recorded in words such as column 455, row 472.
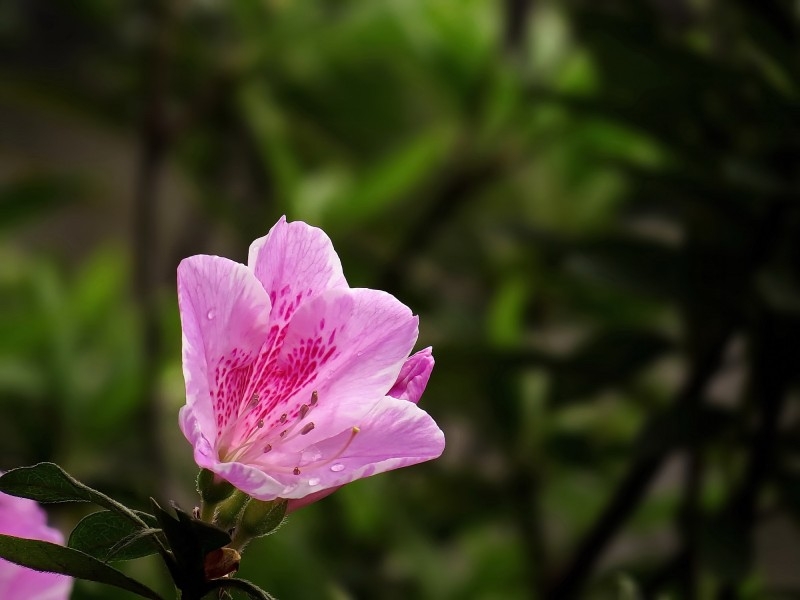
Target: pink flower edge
column 24, row 518
column 296, row 383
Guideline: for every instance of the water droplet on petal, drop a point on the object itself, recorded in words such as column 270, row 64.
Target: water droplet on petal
column 357, row 353
column 313, row 481
column 337, row 467
column 211, row 314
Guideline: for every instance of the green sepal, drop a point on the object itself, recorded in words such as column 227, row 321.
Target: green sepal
column 212, row 488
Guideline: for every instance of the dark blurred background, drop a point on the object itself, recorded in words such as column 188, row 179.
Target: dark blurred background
column 591, row 205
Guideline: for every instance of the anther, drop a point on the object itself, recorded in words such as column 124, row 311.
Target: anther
column 254, row 399
column 284, row 432
column 306, row 428
column 296, row 471
column 314, row 398
column 267, row 448
column 304, row 411
column 284, row 417
column 260, row 423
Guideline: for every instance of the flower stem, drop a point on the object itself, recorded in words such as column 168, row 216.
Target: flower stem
column 207, row 511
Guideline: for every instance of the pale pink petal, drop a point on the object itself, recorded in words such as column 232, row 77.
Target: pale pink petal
column 24, row 518
column 298, row 503
column 251, row 480
column 224, row 315
column 348, row 345
column 294, row 262
column 413, row 376
column 396, row 433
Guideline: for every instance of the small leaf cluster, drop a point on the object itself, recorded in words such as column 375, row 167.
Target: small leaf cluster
column 195, row 553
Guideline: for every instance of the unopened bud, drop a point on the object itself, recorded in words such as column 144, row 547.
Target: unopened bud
column 260, row 518
column 212, row 488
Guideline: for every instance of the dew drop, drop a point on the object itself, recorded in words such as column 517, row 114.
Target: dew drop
column 337, row 467
column 211, row 314
column 313, row 481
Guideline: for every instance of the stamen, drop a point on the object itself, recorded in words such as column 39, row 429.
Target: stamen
column 284, row 432
column 314, row 398
column 254, row 399
column 306, row 428
column 304, row 411
column 267, row 448
column 296, row 471
column 353, row 433
column 283, row 418
column 260, row 423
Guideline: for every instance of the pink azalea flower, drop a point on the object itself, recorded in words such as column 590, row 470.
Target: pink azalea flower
column 296, row 383
column 24, row 518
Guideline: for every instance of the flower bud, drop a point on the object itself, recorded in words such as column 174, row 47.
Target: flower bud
column 228, row 511
column 212, row 488
column 261, row 518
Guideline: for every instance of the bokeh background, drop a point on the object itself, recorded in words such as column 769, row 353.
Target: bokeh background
column 591, row 205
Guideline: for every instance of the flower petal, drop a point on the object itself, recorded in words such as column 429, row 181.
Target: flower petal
column 413, row 376
column 294, row 262
column 24, row 518
column 298, row 503
column 395, row 433
column 253, row 481
column 224, row 316
column 348, row 345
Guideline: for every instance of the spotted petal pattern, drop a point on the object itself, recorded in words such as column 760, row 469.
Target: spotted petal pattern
column 297, row 383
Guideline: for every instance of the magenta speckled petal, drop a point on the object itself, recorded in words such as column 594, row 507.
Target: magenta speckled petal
column 294, row 262
column 224, row 316
column 396, row 433
column 288, row 370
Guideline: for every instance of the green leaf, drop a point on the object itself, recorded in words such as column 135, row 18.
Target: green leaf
column 251, row 589
column 190, row 540
column 208, row 537
column 109, row 536
column 44, row 556
column 48, row 483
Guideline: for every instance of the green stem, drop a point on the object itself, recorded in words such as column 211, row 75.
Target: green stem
column 207, row 511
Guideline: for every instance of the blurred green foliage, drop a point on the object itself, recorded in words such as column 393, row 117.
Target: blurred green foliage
column 592, row 206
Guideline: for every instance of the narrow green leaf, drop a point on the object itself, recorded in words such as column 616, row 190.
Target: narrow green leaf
column 48, row 483
column 251, row 589
column 44, row 556
column 108, row 536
